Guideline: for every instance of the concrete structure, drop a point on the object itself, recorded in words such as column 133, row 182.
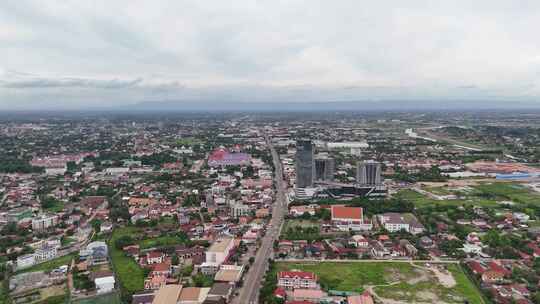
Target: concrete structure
column 217, row 254
column 369, row 173
column 350, row 219
column 239, row 209
column 44, row 221
column 56, row 170
column 104, row 284
column 193, row 295
column 168, row 294
column 304, row 164
column 349, row 144
column 45, row 253
column 394, row 222
column 297, row 279
column 25, row 261
column 229, row 273
column 95, row 253
column 222, row 157
column 324, row 168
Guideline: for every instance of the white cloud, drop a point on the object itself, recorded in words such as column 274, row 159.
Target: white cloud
column 124, row 51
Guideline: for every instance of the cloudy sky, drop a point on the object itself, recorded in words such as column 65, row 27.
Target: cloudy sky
column 75, row 54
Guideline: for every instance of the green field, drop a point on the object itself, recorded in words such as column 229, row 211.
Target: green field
column 401, row 282
column 510, row 191
column 438, row 190
column 52, row 264
column 56, row 207
column 161, row 241
column 299, row 223
column 130, row 275
column 484, row 195
column 421, row 200
column 464, row 285
column 110, row 298
column 3, row 292
column 300, row 230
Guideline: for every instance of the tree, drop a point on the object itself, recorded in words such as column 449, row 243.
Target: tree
column 536, row 298
column 96, row 224
column 201, row 280
column 175, row 260
column 124, row 241
column 494, row 240
column 71, row 166
column 48, row 202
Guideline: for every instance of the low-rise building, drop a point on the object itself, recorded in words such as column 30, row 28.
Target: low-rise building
column 104, row 282
column 25, row 261
column 394, row 222
column 350, row 219
column 297, row 279
column 44, row 222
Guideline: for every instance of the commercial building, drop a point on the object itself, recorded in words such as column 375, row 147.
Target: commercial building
column 369, row 173
column 324, row 168
column 217, row 254
column 304, row 164
column 222, row 157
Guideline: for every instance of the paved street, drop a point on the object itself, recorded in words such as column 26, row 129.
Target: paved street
column 252, row 282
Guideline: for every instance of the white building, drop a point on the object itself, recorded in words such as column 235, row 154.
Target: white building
column 239, row 209
column 104, row 284
column 117, row 170
column 348, row 144
column 56, row 170
column 217, row 254
column 45, row 253
column 394, row 222
column 25, row 261
column 220, row 249
column 297, row 279
column 521, row 217
column 44, row 221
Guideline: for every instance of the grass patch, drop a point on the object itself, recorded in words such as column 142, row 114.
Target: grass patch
column 421, row 201
column 110, row 298
column 130, row 275
column 300, row 230
column 51, row 264
column 464, row 286
column 510, row 191
column 351, row 276
column 168, row 240
column 398, row 281
column 484, row 195
column 299, row 223
column 438, row 190
column 57, row 206
column 3, row 292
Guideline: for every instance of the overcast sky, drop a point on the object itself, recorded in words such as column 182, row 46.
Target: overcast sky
column 94, row 53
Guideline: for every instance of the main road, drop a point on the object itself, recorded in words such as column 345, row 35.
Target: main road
column 252, row 282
